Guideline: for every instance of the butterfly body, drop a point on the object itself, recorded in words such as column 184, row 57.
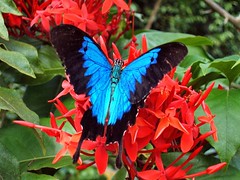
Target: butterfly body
column 115, row 92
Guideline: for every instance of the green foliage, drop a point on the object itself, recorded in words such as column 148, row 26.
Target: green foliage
column 11, row 101
column 6, row 6
column 195, row 17
column 225, row 104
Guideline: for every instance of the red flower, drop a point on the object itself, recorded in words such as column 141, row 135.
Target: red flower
column 107, row 4
column 101, row 155
column 87, row 15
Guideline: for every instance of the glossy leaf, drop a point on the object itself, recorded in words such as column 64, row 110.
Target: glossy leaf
column 34, row 151
column 37, row 101
column 9, row 165
column 203, row 80
column 225, row 105
column 196, row 41
column 10, row 100
column 18, row 61
column 28, row 175
column 8, row 6
column 120, row 175
column 229, row 66
column 45, row 161
column 29, row 51
column 50, row 66
column 157, row 37
column 3, row 29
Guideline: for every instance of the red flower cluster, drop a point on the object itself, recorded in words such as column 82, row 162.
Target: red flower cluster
column 165, row 124
column 90, row 16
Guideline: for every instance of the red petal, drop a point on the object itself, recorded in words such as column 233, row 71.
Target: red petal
column 205, row 95
column 133, row 130
column 25, row 123
column 84, row 10
column 186, row 142
column 101, row 158
column 89, row 145
column 131, row 148
column 174, row 122
column 151, row 174
column 45, row 23
column 116, row 52
column 53, row 121
column 214, row 168
column 107, row 4
column 60, row 154
column 104, row 48
column 187, row 76
column 163, row 124
column 144, row 44
column 122, row 4
column 92, row 25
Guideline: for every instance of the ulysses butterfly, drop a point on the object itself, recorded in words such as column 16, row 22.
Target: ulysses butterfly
column 115, row 92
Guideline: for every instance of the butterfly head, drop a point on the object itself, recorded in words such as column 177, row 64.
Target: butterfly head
column 118, row 63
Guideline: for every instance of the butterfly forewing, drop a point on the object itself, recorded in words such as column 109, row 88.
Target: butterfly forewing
column 81, row 56
column 146, row 71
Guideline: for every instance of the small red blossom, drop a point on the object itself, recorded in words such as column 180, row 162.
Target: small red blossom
column 107, row 4
column 39, row 16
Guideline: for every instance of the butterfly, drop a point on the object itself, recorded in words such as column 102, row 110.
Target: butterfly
column 115, row 92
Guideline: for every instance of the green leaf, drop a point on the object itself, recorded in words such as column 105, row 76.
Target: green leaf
column 9, row 166
column 50, row 65
column 8, row 6
column 204, row 80
column 11, row 101
column 3, row 29
column 45, row 161
column 27, row 50
column 38, row 101
column 21, row 142
column 32, row 150
column 196, row 41
column 28, row 175
column 17, row 61
column 50, row 59
column 225, row 105
column 235, row 160
column 155, row 38
column 120, row 174
column 229, row 66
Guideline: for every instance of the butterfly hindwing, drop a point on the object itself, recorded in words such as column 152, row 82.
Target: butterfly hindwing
column 144, row 73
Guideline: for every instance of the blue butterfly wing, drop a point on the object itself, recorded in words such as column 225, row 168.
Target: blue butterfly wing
column 86, row 65
column 146, row 71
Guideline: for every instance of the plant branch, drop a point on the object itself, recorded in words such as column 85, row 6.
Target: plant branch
column 234, row 20
column 153, row 14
